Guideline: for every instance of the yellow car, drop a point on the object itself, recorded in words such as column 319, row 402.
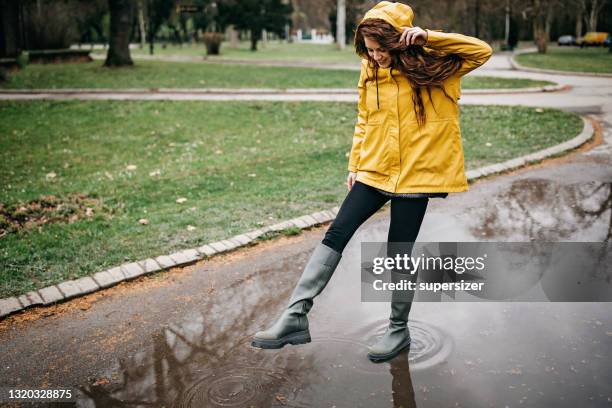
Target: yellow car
column 593, row 38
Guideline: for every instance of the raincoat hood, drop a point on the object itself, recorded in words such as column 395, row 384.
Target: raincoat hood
column 397, row 14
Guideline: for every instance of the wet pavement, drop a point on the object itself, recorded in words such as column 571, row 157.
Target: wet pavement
column 182, row 338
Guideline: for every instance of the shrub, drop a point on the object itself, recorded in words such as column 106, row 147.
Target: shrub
column 213, row 42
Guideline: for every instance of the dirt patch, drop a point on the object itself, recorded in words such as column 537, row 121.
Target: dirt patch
column 47, row 209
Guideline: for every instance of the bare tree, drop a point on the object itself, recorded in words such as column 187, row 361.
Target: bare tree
column 141, row 24
column 587, row 11
column 595, row 6
column 579, row 9
column 542, row 13
column 341, row 24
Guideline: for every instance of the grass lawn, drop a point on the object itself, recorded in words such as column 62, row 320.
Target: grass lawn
column 156, row 74
column 273, row 50
column 597, row 60
column 197, row 171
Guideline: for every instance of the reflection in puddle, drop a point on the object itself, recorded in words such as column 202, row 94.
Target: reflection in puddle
column 236, row 387
column 544, row 210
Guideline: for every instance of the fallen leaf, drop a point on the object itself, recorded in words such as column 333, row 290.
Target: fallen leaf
column 101, row 381
column 181, row 200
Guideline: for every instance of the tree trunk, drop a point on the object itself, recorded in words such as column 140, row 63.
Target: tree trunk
column 120, row 30
column 477, row 18
column 539, row 35
column 254, row 39
column 543, row 11
column 594, row 12
column 341, row 24
column 548, row 23
column 579, row 18
column 507, row 25
column 233, row 36
column 141, row 24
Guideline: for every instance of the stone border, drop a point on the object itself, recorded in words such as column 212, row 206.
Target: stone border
column 259, row 91
column 131, row 270
column 519, row 67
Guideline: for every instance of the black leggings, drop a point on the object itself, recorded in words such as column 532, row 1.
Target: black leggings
column 362, row 202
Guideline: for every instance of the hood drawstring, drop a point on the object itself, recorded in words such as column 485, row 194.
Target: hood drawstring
column 376, row 75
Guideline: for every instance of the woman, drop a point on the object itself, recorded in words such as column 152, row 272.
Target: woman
column 406, row 148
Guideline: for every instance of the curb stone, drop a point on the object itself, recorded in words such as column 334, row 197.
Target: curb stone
column 254, row 91
column 104, row 279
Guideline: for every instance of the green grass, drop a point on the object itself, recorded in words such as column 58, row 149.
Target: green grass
column 597, row 60
column 240, row 165
column 273, row 50
column 156, row 74
column 485, row 82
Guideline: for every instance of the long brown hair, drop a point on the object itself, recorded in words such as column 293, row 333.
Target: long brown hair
column 423, row 69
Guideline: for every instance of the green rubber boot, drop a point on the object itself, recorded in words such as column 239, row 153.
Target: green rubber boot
column 292, row 326
column 397, row 336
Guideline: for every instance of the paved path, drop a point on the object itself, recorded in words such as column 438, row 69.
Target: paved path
column 181, row 338
column 580, row 98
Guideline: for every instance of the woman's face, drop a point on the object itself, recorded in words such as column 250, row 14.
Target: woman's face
column 378, row 54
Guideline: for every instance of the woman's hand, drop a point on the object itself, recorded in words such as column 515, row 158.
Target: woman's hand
column 413, row 36
column 350, row 180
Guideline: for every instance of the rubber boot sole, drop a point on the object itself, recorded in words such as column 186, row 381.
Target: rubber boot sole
column 379, row 358
column 300, row 337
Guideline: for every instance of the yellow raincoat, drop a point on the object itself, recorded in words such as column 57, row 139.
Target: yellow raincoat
column 389, row 150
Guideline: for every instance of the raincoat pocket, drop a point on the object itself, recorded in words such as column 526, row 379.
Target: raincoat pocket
column 374, row 155
column 438, row 147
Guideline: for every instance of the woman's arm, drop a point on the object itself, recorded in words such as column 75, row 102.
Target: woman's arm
column 362, row 119
column 475, row 52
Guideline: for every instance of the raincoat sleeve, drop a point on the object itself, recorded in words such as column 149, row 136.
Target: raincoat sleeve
column 362, row 119
column 475, row 52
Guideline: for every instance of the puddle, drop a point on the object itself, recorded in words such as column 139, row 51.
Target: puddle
column 465, row 355
column 462, row 355
column 544, row 210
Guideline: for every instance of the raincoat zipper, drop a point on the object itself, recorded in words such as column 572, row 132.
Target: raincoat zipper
column 398, row 129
